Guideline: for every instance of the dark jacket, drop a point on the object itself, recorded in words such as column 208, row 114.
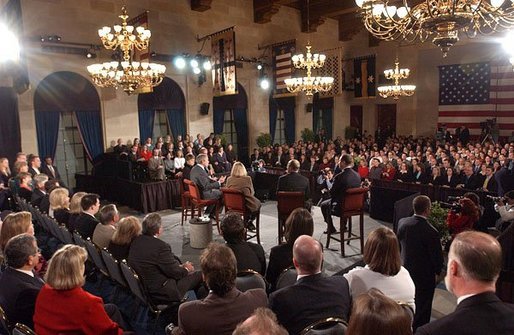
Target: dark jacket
column 86, row 225
column 280, row 258
column 294, row 182
column 249, row 256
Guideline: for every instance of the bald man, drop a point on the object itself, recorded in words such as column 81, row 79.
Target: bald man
column 474, row 263
column 314, row 296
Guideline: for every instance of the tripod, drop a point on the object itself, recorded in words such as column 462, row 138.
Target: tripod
column 487, row 136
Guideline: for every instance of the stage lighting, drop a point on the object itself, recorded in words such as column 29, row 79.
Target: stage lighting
column 259, row 66
column 196, row 70
column 180, row 62
column 207, row 65
column 264, row 83
column 193, row 63
column 10, row 50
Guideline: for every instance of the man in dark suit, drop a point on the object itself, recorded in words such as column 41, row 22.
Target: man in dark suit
column 86, row 221
column 34, row 165
column 50, row 170
column 165, row 277
column 314, row 296
column 469, row 180
column 19, row 285
column 344, row 180
column 279, row 159
column 208, row 186
column 488, row 182
column 474, row 264
column 293, row 181
column 119, row 147
column 422, row 255
column 39, row 191
column 225, row 306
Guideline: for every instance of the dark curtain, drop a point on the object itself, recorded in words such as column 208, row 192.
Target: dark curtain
column 146, row 119
column 273, row 111
column 90, row 128
column 315, row 118
column 47, row 130
column 218, row 120
column 325, row 106
column 287, row 105
column 289, row 120
column 10, row 135
column 176, row 122
column 241, row 123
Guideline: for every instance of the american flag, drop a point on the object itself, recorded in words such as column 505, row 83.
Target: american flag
column 472, row 93
column 282, row 64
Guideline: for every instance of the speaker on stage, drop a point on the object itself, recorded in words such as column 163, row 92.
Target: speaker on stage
column 204, row 108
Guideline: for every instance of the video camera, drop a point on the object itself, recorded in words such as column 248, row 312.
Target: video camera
column 454, row 205
column 496, row 199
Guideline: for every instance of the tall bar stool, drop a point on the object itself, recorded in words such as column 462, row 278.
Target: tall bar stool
column 352, row 205
column 235, row 202
column 286, row 203
column 199, row 203
column 185, row 200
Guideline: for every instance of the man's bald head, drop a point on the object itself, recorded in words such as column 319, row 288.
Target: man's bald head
column 307, row 255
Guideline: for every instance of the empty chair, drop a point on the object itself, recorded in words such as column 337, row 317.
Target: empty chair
column 286, row 203
column 235, row 202
column 78, row 239
column 249, row 279
column 113, row 267
column 94, row 256
column 327, row 326
column 185, row 199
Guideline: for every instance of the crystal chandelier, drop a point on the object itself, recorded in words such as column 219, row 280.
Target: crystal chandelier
column 127, row 74
column 440, row 20
column 396, row 91
column 309, row 84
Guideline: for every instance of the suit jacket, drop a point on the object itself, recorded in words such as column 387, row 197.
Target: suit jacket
column 310, row 299
column 245, row 185
column 86, row 225
column 492, row 186
column 453, row 182
column 280, row 258
column 25, row 194
column 249, row 256
column 102, row 235
column 62, row 215
column 18, row 293
column 480, row 314
column 472, row 182
column 156, row 168
column 46, row 170
column 44, row 204
column 33, row 172
column 37, row 196
column 72, row 311
column 206, row 185
column 219, row 315
column 420, row 250
column 158, row 267
column 344, row 180
column 294, row 182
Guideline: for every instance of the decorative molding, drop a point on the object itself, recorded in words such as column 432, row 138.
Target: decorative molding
column 263, row 10
column 201, row 5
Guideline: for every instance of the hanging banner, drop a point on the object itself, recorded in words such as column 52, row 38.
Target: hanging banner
column 282, row 65
column 333, row 68
column 223, row 60
column 365, row 77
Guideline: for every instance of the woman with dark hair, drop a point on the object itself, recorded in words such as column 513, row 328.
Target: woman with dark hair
column 298, row 223
column 374, row 313
column 383, row 269
column 466, row 219
column 451, row 179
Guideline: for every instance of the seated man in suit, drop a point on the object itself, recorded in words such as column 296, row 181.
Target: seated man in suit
column 293, row 181
column 25, row 186
column 474, row 264
column 49, row 169
column 109, row 217
column 487, row 182
column 19, row 285
column 225, row 306
column 86, row 221
column 208, row 186
column 470, row 181
column 314, row 296
column 156, row 166
column 165, row 277
column 39, row 189
column 34, row 165
column 344, row 180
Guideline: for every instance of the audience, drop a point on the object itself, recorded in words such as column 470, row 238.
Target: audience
column 314, row 296
column 298, row 223
column 225, row 306
column 19, row 285
column 109, row 217
column 39, row 189
column 474, row 264
column 208, row 187
column 15, row 224
column 59, row 204
column 249, row 256
column 374, row 313
column 463, row 218
column 262, row 322
column 86, row 221
column 128, row 229
column 75, row 210
column 383, row 270
column 25, row 186
column 63, row 307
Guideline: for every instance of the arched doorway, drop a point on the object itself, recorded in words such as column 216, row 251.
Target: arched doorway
column 230, row 120
column 68, row 123
column 162, row 111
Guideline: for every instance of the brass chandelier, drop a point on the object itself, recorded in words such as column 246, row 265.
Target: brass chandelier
column 309, row 62
column 440, row 20
column 396, row 91
column 127, row 74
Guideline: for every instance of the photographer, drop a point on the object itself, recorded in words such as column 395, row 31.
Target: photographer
column 325, row 181
column 505, row 207
column 463, row 216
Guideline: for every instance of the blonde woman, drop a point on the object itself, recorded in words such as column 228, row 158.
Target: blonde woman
column 128, row 229
column 63, row 307
column 75, row 209
column 59, row 204
column 5, row 172
column 240, row 180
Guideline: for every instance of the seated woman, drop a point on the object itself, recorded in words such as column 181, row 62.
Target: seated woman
column 5, row 175
column 375, row 313
column 75, row 210
column 451, row 179
column 404, row 174
column 60, row 203
column 419, row 176
column 248, row 255
column 25, row 190
column 436, row 178
column 298, row 223
column 240, row 181
column 128, row 229
column 383, row 269
column 179, row 161
column 389, row 172
column 63, row 307
column 466, row 219
column 169, row 164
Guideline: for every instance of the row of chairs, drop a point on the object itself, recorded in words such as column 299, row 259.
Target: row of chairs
column 17, row 329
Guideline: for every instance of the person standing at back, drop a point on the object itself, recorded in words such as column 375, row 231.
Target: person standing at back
column 422, row 256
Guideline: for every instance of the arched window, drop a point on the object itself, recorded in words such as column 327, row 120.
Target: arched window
column 282, row 119
column 68, row 123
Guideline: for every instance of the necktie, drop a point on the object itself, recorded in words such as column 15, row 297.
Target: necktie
column 51, row 168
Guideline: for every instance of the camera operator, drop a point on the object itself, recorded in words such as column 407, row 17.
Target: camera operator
column 463, row 215
column 505, row 207
column 325, row 181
